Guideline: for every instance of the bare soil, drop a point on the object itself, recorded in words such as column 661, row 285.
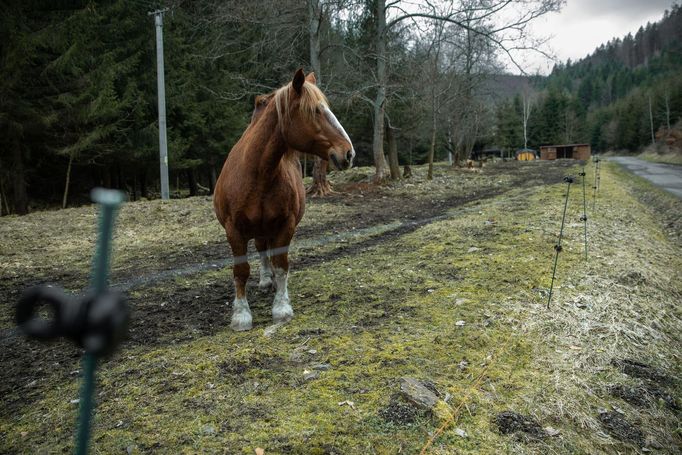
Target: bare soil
column 510, row 422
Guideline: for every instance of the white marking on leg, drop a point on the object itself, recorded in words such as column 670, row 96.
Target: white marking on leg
column 241, row 314
column 265, row 282
column 281, row 309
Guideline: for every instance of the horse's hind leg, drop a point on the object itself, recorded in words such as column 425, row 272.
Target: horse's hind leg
column 265, row 283
column 241, row 313
column 281, row 307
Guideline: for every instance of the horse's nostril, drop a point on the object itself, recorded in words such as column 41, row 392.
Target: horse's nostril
column 349, row 155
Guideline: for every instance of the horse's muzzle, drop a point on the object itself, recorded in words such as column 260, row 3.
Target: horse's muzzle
column 345, row 163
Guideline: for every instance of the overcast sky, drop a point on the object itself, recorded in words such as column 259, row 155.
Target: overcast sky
column 582, row 25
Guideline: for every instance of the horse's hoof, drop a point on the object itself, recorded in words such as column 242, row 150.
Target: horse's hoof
column 241, row 322
column 241, row 326
column 282, row 313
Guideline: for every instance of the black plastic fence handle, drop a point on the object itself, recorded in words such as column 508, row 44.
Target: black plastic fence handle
column 97, row 323
column 31, row 323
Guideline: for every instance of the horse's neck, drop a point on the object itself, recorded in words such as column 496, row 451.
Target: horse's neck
column 265, row 146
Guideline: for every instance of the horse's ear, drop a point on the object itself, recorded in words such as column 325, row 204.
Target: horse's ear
column 299, row 79
column 311, row 78
column 260, row 101
column 259, row 105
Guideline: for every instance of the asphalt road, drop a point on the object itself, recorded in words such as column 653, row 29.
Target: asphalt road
column 667, row 176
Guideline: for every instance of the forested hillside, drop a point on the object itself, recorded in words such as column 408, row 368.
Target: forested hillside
column 616, row 98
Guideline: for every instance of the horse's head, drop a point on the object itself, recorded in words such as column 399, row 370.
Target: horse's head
column 307, row 123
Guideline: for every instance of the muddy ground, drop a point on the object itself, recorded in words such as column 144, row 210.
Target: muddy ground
column 178, row 293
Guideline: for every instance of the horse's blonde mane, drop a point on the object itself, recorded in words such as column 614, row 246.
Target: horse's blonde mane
column 311, row 97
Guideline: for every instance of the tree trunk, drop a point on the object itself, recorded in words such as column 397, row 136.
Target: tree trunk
column 526, row 116
column 192, row 182
column 320, row 186
column 470, row 149
column 380, row 101
column 116, row 178
column 314, row 22
column 143, row 184
column 411, row 148
column 19, row 182
column 213, row 178
column 432, row 148
column 134, row 193
column 434, row 101
column 451, row 148
column 209, row 176
column 121, row 179
column 378, row 139
column 3, row 197
column 393, row 164
column 68, row 180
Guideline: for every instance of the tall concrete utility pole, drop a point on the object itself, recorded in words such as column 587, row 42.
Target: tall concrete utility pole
column 161, row 88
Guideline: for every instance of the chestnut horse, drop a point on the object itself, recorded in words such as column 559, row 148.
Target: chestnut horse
column 259, row 193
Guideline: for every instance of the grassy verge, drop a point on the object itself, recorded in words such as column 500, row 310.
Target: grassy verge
column 459, row 302
column 668, row 158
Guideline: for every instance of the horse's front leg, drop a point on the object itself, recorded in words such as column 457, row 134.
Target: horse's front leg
column 241, row 313
column 279, row 253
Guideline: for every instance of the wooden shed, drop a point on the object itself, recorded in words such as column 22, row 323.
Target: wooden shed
column 568, row 151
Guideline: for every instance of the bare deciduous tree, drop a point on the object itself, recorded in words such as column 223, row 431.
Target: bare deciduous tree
column 527, row 106
column 506, row 30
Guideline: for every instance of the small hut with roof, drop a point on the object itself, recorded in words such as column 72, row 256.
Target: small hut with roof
column 566, row 151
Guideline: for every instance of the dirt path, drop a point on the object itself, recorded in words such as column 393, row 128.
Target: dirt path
column 369, row 208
